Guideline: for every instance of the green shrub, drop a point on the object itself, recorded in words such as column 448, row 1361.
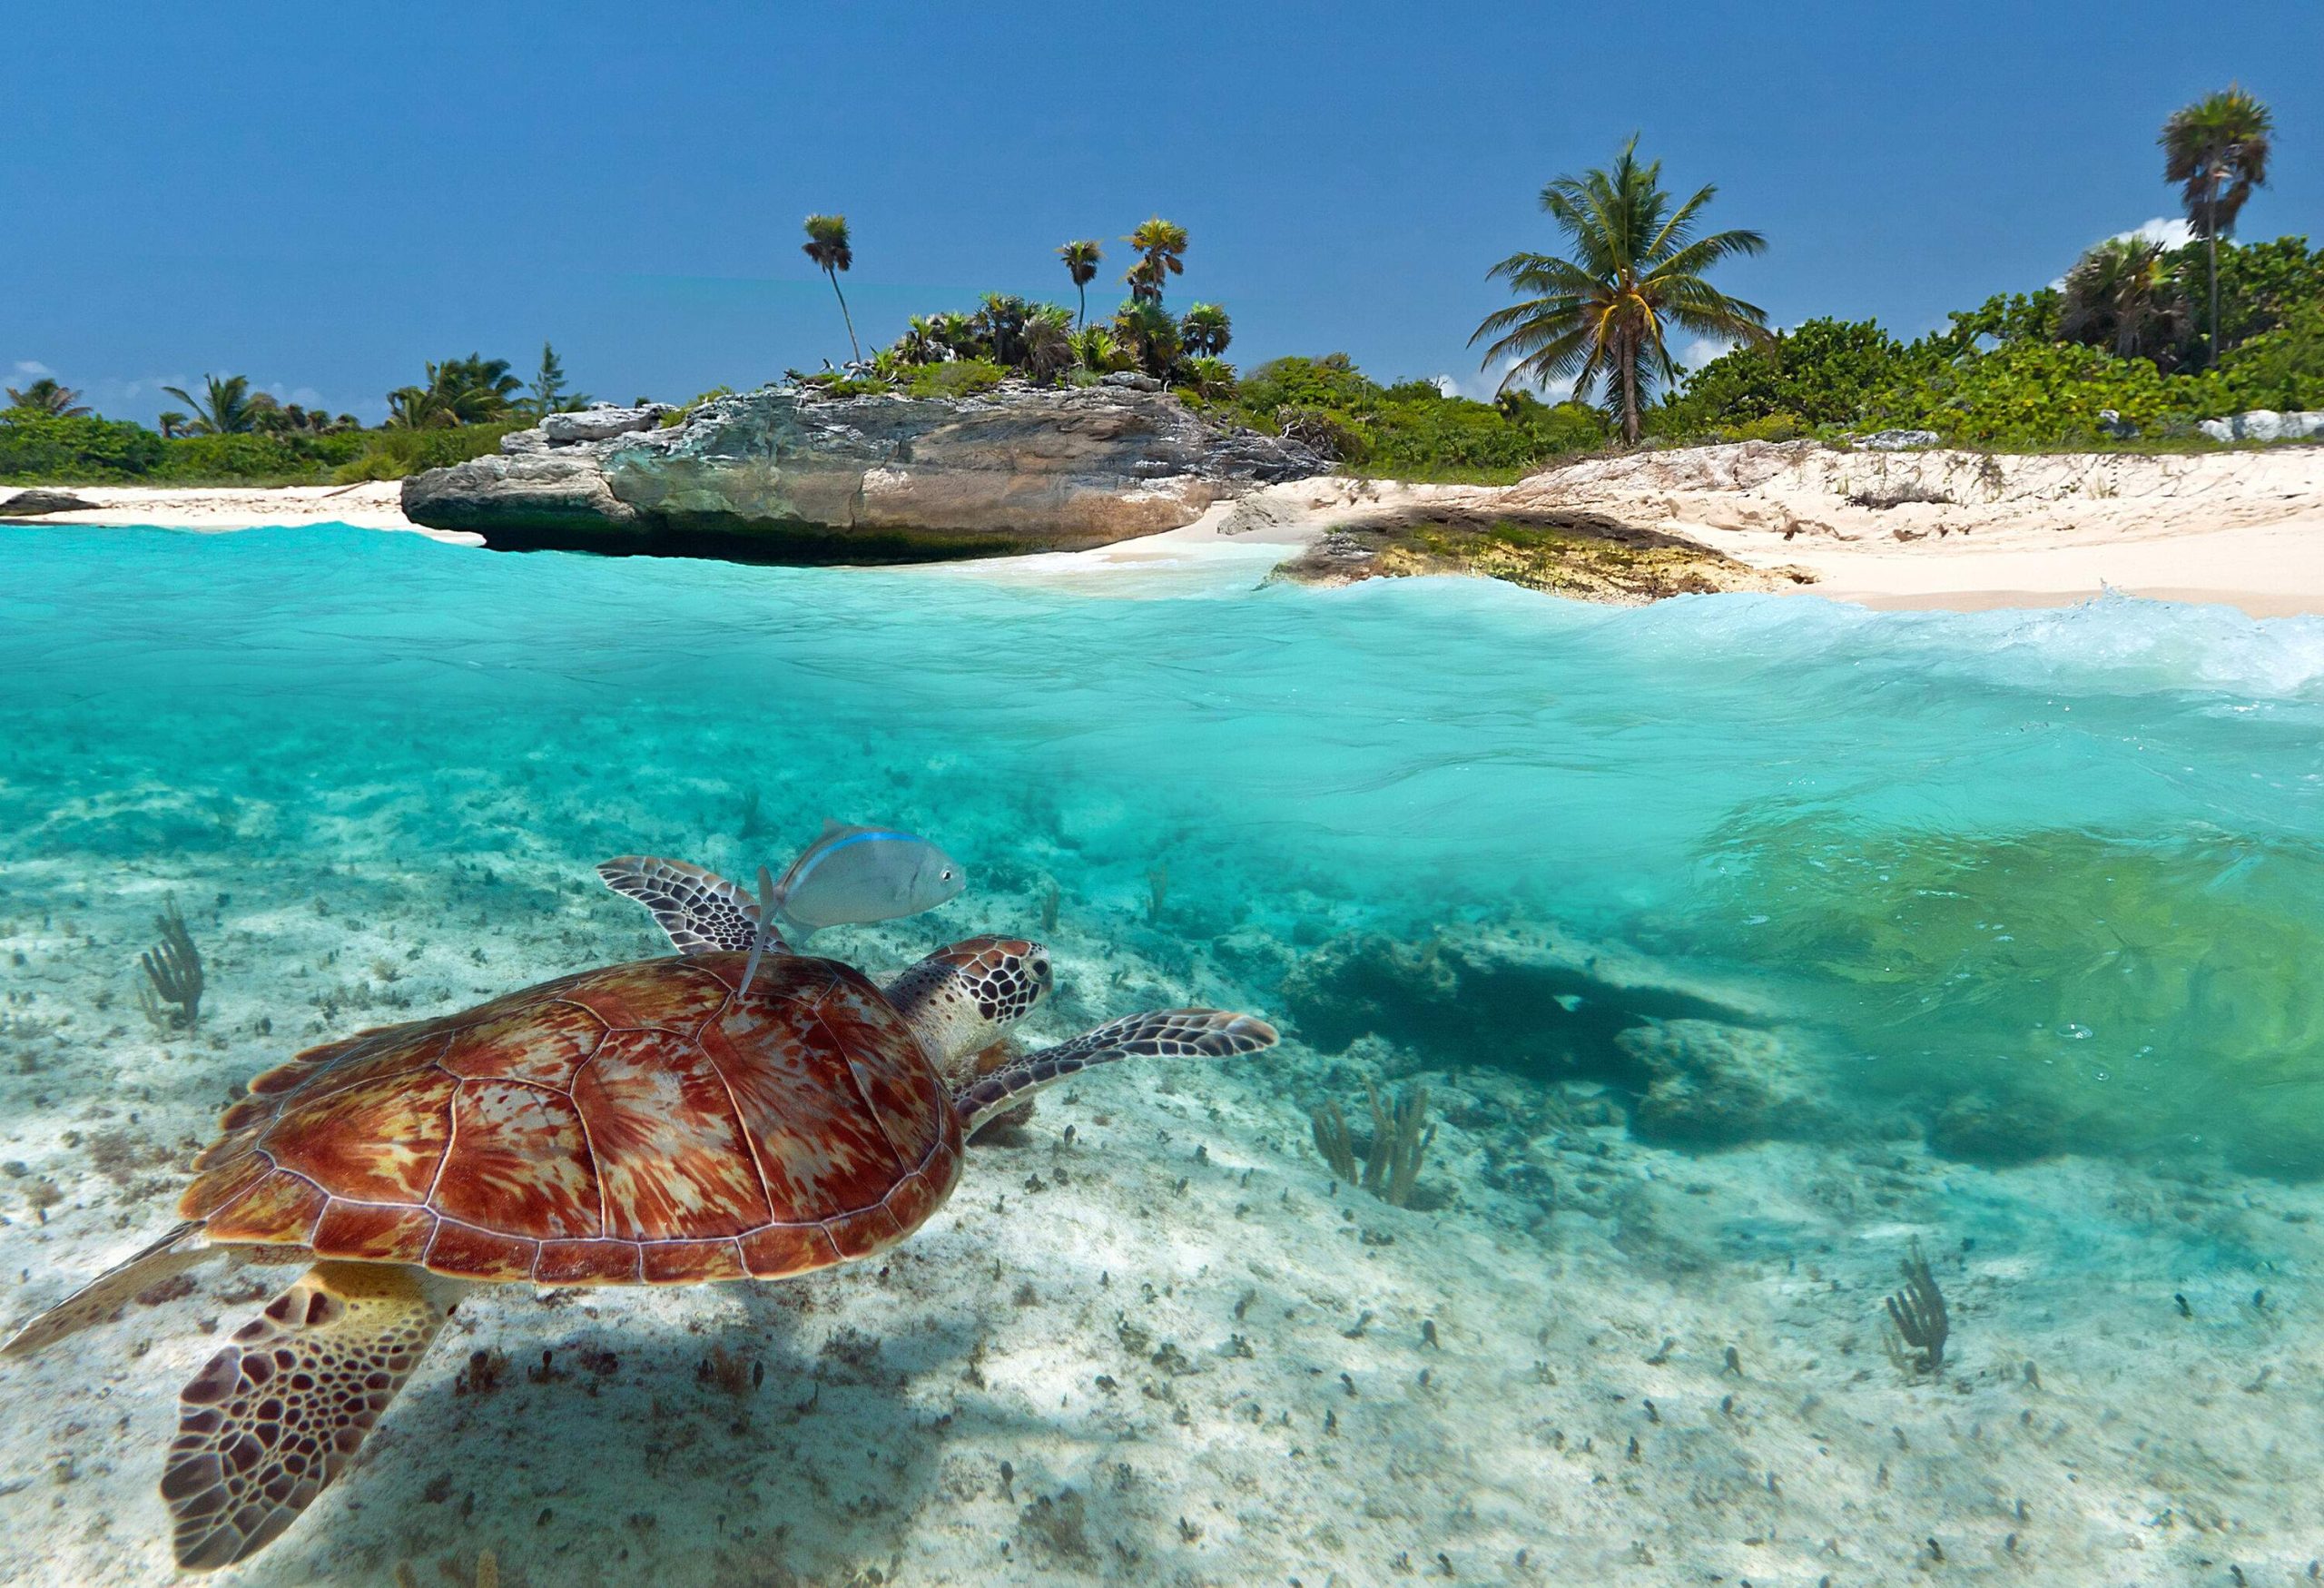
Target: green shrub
column 2047, row 394
column 69, row 451
column 393, row 454
column 2282, row 367
column 253, row 459
column 961, row 377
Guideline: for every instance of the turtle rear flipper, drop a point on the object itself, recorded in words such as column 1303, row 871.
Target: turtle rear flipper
column 106, row 1294
column 703, row 912
column 276, row 1415
column 1162, row 1033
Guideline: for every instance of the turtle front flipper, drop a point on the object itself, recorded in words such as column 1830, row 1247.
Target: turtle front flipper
column 702, row 911
column 277, row 1414
column 1162, row 1033
column 110, row 1291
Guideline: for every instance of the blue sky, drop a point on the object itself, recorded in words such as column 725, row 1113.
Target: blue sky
column 324, row 196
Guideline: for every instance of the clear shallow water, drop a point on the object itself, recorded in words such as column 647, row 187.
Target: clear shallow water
column 2026, row 888
column 2061, row 863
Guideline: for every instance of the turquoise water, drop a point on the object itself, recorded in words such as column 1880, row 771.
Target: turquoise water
column 2013, row 890
column 1925, row 836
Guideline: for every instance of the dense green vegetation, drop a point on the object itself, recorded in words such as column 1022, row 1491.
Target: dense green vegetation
column 2037, row 370
column 241, row 437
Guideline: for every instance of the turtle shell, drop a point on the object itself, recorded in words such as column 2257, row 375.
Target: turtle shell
column 636, row 1124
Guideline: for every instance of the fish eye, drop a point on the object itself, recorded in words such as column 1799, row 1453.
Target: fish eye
column 947, row 875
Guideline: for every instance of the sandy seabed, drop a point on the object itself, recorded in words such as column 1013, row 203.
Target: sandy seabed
column 1151, row 1340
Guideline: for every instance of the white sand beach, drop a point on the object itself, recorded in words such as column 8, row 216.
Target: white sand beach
column 1951, row 530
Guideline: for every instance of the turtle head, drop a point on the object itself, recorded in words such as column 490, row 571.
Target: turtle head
column 962, row 999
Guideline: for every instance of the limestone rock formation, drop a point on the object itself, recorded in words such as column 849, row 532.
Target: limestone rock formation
column 787, row 475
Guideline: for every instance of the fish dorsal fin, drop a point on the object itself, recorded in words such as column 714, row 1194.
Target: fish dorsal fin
column 760, row 935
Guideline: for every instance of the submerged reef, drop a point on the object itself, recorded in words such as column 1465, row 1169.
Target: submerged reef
column 2056, row 990
column 1701, row 1067
column 1582, row 556
column 784, row 475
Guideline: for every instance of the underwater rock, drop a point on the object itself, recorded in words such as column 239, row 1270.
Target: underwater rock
column 785, row 475
column 1715, row 1085
column 1520, row 998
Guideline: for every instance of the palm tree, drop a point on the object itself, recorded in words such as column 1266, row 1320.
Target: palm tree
column 1147, row 333
column 1046, row 343
column 1000, row 325
column 223, row 409
column 1159, row 244
column 2120, row 292
column 46, row 397
column 417, row 407
column 1206, row 329
column 1097, row 350
column 172, row 424
column 1081, row 259
column 1598, row 316
column 828, row 246
column 920, row 343
column 2217, row 149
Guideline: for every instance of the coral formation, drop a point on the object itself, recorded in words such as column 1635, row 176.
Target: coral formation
column 172, row 974
column 1915, row 1331
column 1401, row 1138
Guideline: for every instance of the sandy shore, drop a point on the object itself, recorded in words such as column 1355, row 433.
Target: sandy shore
column 1922, row 530
column 370, row 505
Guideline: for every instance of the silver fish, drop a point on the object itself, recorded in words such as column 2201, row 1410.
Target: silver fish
column 854, row 875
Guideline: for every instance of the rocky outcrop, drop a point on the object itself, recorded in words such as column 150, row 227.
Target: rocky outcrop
column 30, row 504
column 2262, row 424
column 786, row 475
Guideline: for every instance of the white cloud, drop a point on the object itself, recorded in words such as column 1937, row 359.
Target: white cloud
column 2170, row 230
column 1482, row 386
column 1703, row 349
column 33, row 368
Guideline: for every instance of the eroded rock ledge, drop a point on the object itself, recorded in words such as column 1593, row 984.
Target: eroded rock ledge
column 786, row 476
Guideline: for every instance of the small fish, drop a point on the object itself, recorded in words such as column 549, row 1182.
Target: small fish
column 855, row 875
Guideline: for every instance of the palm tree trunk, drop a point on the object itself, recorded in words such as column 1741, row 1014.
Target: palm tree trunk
column 2211, row 227
column 855, row 347
column 1629, row 395
column 1082, row 318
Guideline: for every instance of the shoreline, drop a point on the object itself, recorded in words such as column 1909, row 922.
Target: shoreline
column 1887, row 531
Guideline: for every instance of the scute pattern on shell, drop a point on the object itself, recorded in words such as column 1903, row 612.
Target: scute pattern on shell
column 636, row 1124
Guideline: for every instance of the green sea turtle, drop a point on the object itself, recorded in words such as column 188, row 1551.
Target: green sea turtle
column 670, row 1122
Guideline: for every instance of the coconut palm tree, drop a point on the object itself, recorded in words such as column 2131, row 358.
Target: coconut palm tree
column 2216, row 150
column 172, row 424
column 223, row 409
column 1637, row 263
column 1206, row 329
column 45, row 396
column 1159, row 244
column 2120, row 294
column 1081, row 259
column 827, row 244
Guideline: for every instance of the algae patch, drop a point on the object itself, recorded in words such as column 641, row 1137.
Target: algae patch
column 1585, row 557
